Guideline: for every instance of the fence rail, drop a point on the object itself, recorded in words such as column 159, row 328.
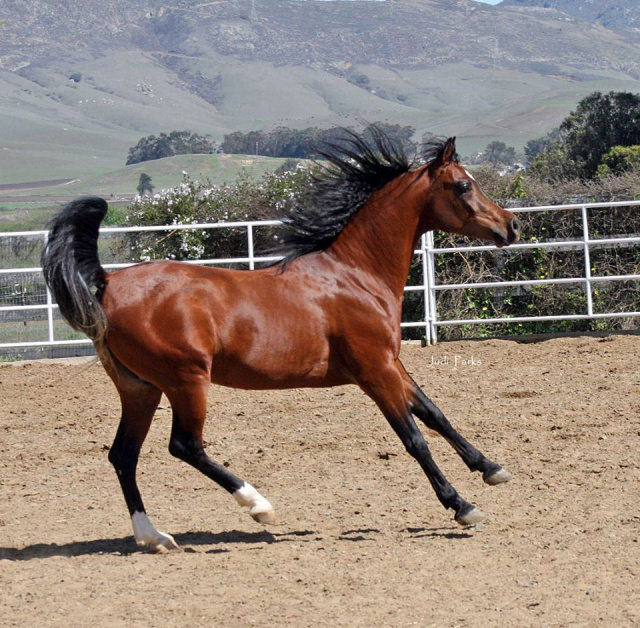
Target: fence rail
column 41, row 313
column 585, row 243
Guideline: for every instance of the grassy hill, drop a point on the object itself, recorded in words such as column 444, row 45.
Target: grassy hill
column 31, row 208
column 167, row 172
column 88, row 132
column 82, row 82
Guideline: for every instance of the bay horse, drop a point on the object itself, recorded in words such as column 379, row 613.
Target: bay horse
column 328, row 314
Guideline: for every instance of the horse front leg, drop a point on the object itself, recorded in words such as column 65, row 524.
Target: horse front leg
column 434, row 419
column 388, row 389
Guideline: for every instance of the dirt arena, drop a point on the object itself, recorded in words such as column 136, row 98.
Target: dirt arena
column 363, row 541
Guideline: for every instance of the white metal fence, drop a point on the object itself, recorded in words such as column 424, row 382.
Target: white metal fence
column 30, row 319
column 585, row 243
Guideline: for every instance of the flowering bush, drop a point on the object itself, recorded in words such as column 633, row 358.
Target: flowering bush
column 197, row 202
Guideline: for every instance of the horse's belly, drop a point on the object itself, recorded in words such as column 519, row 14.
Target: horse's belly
column 277, row 370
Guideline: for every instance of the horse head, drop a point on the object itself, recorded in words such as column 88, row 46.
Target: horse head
column 457, row 204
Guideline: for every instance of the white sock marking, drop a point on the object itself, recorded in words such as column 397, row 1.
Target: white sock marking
column 246, row 495
column 146, row 535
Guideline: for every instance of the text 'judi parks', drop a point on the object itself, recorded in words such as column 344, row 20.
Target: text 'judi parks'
column 455, row 361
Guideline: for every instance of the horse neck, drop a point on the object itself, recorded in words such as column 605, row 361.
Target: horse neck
column 381, row 236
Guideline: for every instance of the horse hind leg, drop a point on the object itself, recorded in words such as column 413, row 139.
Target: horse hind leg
column 139, row 402
column 432, row 417
column 388, row 389
column 189, row 413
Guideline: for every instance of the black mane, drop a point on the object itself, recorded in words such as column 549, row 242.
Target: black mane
column 353, row 168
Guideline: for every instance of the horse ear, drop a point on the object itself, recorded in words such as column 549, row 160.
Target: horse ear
column 449, row 150
column 446, row 154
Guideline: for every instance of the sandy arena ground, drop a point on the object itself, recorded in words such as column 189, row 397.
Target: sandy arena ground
column 363, row 541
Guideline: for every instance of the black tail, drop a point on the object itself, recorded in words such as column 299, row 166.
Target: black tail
column 71, row 266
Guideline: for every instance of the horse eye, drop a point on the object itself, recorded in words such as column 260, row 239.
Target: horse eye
column 463, row 186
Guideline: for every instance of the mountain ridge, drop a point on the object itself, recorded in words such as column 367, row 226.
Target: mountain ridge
column 617, row 15
column 403, row 33
column 86, row 79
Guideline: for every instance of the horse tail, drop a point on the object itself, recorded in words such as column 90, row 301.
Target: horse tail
column 72, row 269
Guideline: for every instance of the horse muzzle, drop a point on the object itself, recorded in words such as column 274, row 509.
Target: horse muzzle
column 510, row 235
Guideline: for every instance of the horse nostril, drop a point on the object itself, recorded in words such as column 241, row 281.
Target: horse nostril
column 516, row 225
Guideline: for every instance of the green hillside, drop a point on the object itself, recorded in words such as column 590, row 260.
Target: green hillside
column 119, row 186
column 81, row 84
column 167, row 172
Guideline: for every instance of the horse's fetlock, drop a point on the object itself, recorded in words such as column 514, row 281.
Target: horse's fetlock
column 451, row 499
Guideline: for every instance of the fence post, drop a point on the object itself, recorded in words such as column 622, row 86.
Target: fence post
column 50, row 333
column 587, row 259
column 425, row 289
column 250, row 247
column 430, row 286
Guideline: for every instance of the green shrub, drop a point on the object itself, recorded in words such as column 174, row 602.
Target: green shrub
column 196, row 202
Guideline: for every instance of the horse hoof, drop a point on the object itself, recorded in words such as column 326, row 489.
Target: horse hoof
column 470, row 517
column 163, row 545
column 265, row 517
column 147, row 537
column 167, row 546
column 497, row 477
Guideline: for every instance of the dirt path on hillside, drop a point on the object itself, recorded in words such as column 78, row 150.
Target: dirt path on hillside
column 363, row 540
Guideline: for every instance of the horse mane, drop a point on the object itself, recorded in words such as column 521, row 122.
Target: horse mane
column 347, row 173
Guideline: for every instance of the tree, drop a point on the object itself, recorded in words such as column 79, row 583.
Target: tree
column 396, row 133
column 361, row 80
column 620, row 159
column 599, row 123
column 498, row 153
column 144, row 184
column 553, row 163
column 175, row 143
column 251, row 143
column 303, row 143
column 428, row 137
column 534, row 147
